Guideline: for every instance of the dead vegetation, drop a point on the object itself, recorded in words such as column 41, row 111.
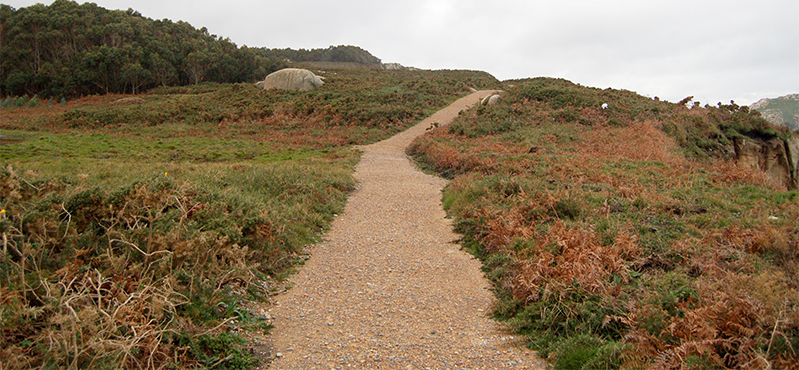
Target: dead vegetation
column 615, row 243
column 149, row 276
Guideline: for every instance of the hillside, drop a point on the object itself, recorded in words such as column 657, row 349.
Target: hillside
column 783, row 111
column 637, row 236
column 66, row 50
column 139, row 230
column 645, row 235
column 152, row 196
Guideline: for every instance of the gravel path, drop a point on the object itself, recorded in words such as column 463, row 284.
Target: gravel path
column 390, row 288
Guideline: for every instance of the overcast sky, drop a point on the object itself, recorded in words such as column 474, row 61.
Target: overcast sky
column 715, row 50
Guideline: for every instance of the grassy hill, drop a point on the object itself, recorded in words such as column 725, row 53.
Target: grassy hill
column 625, row 237
column 780, row 111
column 137, row 230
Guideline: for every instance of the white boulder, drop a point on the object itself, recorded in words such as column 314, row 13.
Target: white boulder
column 490, row 100
column 292, row 79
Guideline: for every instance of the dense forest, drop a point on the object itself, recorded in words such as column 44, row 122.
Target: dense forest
column 351, row 54
column 67, row 49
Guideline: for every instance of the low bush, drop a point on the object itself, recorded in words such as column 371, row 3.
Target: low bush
column 623, row 237
column 150, row 274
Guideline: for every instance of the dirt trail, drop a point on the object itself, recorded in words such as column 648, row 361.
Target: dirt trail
column 389, row 288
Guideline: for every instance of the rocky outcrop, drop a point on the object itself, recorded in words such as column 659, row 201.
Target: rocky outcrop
column 490, row 100
column 393, row 66
column 397, row 67
column 291, row 79
column 777, row 158
column 793, row 158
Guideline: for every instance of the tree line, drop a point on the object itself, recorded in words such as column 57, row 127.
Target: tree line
column 341, row 53
column 68, row 49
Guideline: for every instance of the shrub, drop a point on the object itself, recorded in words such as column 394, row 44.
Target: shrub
column 34, row 102
column 569, row 208
column 622, row 238
column 577, row 352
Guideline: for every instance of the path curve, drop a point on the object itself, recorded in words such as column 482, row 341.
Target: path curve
column 389, row 288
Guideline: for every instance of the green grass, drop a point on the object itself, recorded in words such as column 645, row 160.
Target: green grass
column 139, row 234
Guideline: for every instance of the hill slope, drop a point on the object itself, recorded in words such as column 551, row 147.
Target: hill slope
column 783, row 111
column 68, row 49
column 137, row 231
column 625, row 237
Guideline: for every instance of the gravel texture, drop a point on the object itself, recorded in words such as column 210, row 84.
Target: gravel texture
column 390, row 288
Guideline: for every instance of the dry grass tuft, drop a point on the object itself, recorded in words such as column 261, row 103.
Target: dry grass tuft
column 566, row 256
column 640, row 141
column 728, row 172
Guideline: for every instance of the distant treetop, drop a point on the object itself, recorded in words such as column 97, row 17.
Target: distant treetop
column 340, row 54
column 68, row 49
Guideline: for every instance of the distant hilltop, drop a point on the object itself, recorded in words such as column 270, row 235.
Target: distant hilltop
column 783, row 111
column 333, row 54
column 342, row 56
column 66, row 49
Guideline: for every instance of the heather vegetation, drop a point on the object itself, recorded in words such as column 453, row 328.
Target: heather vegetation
column 137, row 231
column 625, row 237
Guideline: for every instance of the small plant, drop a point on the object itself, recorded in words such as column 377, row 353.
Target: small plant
column 34, row 102
column 21, row 101
column 568, row 208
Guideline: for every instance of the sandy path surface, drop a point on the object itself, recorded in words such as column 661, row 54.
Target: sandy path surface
column 389, row 288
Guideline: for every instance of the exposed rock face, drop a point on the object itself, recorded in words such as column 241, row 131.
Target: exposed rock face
column 747, row 153
column 292, row 79
column 793, row 158
column 393, row 66
column 398, row 67
column 777, row 158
